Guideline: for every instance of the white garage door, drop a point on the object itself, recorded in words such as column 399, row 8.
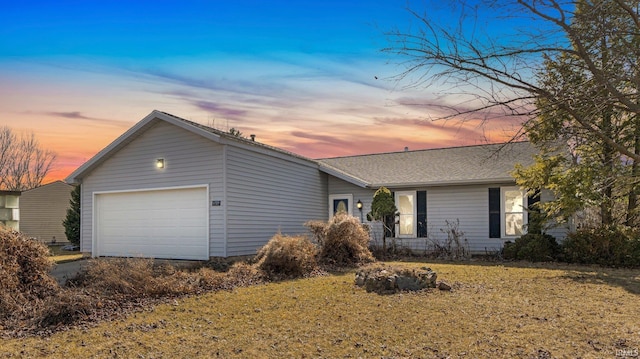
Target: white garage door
column 158, row 224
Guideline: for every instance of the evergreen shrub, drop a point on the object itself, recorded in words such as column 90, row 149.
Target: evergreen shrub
column 607, row 245
column 534, row 247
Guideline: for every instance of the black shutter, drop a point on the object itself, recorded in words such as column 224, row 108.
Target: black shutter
column 533, row 214
column 422, row 213
column 494, row 213
column 532, row 200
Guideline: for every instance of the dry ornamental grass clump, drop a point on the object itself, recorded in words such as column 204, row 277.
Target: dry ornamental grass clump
column 32, row 302
column 345, row 242
column 24, row 273
column 135, row 278
column 287, row 256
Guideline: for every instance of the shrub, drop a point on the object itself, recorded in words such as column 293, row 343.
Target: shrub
column 135, row 278
column 345, row 242
column 454, row 247
column 71, row 222
column 318, row 230
column 608, row 245
column 66, row 307
column 534, row 247
column 242, row 274
column 24, row 273
column 288, row 256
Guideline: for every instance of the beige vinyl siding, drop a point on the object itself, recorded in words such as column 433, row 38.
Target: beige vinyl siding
column 42, row 211
column 267, row 194
column 190, row 160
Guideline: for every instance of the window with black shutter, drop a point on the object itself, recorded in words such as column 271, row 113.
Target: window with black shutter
column 494, row 213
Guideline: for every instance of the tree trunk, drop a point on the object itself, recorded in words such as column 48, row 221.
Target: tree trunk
column 608, row 155
column 632, row 207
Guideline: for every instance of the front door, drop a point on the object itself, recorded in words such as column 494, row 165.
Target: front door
column 340, row 203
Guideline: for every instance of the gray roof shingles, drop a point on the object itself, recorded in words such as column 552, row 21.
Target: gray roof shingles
column 442, row 166
column 453, row 165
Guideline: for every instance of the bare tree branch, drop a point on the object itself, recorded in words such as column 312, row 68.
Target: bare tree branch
column 23, row 163
column 501, row 73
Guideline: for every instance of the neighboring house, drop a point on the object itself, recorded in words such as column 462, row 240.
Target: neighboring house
column 42, row 211
column 172, row 188
column 10, row 209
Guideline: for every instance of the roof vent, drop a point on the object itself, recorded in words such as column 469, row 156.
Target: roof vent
column 406, row 149
column 253, row 137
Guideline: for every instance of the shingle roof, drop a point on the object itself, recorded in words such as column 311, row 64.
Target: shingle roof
column 454, row 165
column 208, row 132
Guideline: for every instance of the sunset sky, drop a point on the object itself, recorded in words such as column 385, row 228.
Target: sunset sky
column 305, row 76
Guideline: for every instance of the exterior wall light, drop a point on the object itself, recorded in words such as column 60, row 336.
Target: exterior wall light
column 160, row 163
column 359, row 205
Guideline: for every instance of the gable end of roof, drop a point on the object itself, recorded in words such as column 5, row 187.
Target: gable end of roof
column 212, row 134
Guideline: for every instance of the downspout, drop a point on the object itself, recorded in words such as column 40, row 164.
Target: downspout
column 224, row 199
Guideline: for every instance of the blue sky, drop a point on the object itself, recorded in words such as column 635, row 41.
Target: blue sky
column 306, row 76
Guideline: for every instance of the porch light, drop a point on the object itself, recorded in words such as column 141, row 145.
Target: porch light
column 359, row 205
column 160, row 163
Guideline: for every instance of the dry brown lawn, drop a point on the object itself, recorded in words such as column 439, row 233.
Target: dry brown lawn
column 60, row 256
column 494, row 311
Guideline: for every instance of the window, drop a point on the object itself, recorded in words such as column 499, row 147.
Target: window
column 12, row 201
column 514, row 210
column 340, row 203
column 507, row 212
column 406, row 204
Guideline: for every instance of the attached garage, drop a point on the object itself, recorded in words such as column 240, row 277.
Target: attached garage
column 157, row 223
column 173, row 188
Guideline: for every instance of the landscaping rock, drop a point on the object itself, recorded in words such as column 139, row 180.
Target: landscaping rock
column 388, row 280
column 444, row 286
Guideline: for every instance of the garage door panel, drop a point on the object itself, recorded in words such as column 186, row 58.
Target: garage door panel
column 159, row 223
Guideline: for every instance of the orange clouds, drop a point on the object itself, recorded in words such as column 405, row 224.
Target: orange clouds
column 317, row 109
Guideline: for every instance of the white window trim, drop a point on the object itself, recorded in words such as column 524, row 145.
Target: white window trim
column 415, row 214
column 333, row 197
column 503, row 212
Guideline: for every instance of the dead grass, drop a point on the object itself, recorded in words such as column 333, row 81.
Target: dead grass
column 67, row 257
column 519, row 310
column 59, row 256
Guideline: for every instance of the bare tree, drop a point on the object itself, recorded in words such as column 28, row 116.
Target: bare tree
column 23, row 163
column 490, row 63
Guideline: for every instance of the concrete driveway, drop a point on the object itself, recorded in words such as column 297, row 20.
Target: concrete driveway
column 63, row 271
